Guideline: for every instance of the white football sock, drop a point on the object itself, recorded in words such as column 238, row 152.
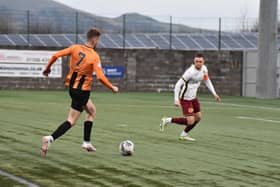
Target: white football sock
column 183, row 133
column 50, row 139
column 168, row 120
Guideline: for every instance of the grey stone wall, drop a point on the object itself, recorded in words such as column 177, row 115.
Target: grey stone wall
column 151, row 70
column 158, row 70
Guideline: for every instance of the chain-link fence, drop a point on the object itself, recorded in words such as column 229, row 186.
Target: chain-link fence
column 40, row 22
column 70, row 22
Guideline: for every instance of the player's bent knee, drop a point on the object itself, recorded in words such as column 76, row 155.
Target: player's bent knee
column 190, row 120
column 198, row 118
column 191, row 123
column 71, row 121
column 89, row 117
column 91, row 112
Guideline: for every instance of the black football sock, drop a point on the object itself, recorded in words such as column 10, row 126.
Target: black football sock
column 190, row 127
column 87, row 130
column 64, row 127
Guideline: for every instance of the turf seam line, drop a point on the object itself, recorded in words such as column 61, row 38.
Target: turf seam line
column 257, row 119
column 243, row 106
column 18, row 179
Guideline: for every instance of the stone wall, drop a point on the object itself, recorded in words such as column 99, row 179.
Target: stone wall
column 151, row 70
column 158, row 70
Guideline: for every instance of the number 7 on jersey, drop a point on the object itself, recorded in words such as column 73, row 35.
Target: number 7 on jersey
column 82, row 55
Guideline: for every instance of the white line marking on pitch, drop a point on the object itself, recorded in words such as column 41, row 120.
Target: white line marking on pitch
column 18, row 179
column 243, row 106
column 205, row 102
column 122, row 125
column 258, row 119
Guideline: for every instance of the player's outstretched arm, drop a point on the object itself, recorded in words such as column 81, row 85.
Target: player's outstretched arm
column 64, row 52
column 211, row 88
column 102, row 78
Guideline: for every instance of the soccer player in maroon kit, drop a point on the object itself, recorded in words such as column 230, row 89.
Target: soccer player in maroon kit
column 185, row 96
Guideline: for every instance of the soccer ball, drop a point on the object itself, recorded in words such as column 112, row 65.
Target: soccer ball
column 126, row 148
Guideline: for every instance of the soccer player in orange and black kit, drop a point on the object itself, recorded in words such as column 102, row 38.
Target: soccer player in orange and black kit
column 84, row 61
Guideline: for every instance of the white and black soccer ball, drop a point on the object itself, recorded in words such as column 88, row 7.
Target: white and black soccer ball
column 126, row 148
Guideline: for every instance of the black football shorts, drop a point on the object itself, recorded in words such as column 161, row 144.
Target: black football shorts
column 79, row 98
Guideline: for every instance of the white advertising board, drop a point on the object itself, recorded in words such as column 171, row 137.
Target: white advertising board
column 23, row 63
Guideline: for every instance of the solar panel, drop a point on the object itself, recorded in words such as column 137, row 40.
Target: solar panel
column 47, row 40
column 188, row 42
column 252, row 38
column 177, row 43
column 163, row 44
column 81, row 39
column 203, row 43
column 35, row 40
column 230, row 41
column 108, row 42
column 17, row 39
column 145, row 40
column 5, row 41
column 100, row 44
column 242, row 41
column 117, row 39
column 71, row 37
column 62, row 39
column 133, row 42
column 215, row 41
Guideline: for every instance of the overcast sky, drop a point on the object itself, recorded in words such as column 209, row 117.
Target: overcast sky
column 176, row 8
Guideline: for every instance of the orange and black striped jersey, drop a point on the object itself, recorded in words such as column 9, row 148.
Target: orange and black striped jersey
column 83, row 62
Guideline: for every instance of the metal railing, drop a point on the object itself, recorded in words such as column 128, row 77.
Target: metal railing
column 56, row 22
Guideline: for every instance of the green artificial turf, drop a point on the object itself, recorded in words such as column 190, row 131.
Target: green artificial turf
column 238, row 142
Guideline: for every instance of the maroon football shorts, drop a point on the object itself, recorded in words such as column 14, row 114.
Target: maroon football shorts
column 190, row 107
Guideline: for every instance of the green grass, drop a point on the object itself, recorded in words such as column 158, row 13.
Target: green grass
column 229, row 151
column 6, row 182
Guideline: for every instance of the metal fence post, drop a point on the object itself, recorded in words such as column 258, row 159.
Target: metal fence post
column 124, row 30
column 28, row 26
column 77, row 26
column 220, row 34
column 170, row 34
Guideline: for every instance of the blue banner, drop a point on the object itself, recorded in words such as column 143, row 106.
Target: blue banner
column 113, row 71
